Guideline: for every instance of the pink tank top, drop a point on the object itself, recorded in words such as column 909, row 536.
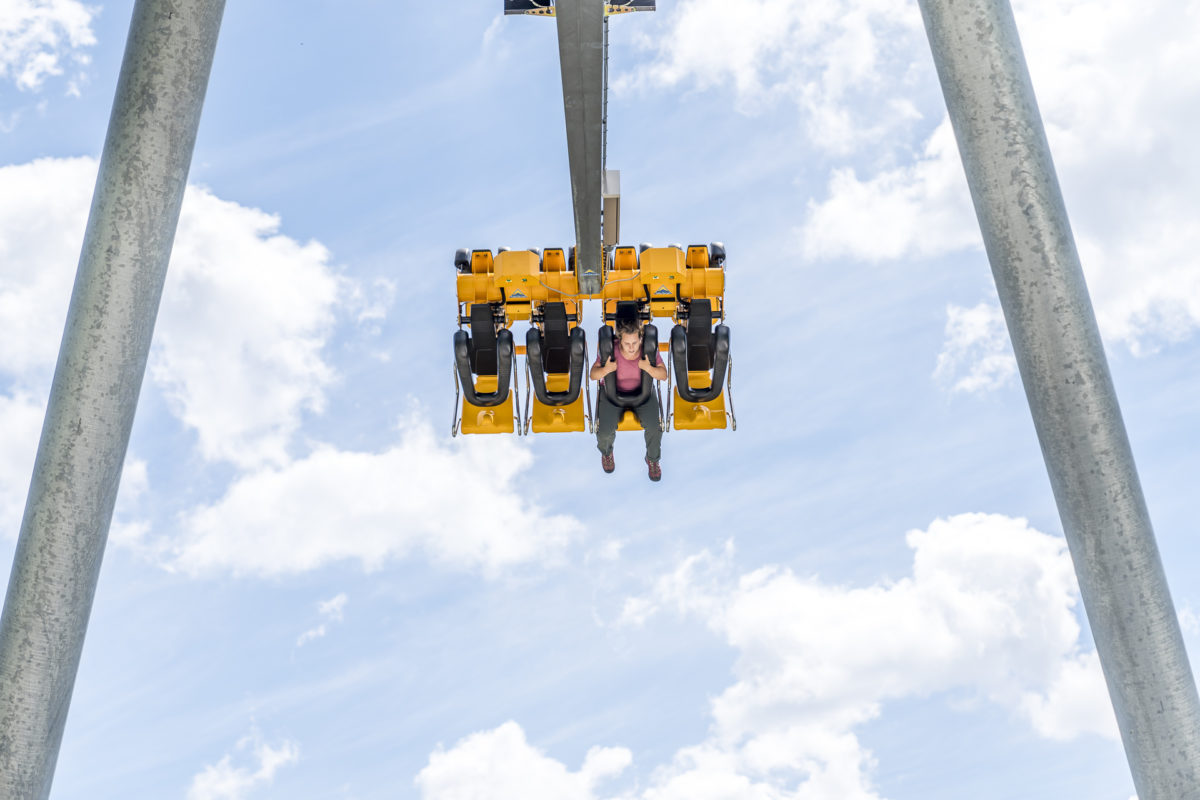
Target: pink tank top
column 629, row 374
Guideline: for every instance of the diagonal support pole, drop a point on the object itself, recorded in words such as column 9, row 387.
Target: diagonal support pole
column 101, row 363
column 581, row 58
column 1071, row 396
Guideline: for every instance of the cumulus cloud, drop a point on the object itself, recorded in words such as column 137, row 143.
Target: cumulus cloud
column 39, row 38
column 245, row 314
column 501, row 763
column 1127, row 167
column 976, row 344
column 20, row 426
column 336, row 506
column 988, row 612
column 238, row 354
column 989, row 609
column 859, row 73
column 43, row 211
column 918, row 210
column 245, row 310
column 1071, row 703
column 830, row 59
column 331, row 610
column 227, row 781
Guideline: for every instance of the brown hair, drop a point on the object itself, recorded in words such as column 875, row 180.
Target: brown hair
column 627, row 325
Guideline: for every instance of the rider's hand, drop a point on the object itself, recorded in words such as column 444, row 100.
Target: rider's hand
column 610, row 366
column 645, row 364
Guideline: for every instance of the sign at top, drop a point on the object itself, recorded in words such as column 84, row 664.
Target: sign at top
column 545, row 8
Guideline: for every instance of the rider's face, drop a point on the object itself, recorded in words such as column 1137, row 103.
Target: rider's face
column 631, row 346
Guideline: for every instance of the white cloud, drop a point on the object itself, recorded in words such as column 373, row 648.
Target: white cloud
column 1127, row 167
column 1071, row 703
column 245, row 310
column 1118, row 83
column 225, row 781
column 20, row 426
column 989, row 609
column 311, row 635
column 238, row 353
column 1189, row 621
column 245, row 314
column 38, row 36
column 126, row 529
column 43, row 211
column 989, row 612
column 334, row 608
column 331, row 610
column 501, row 764
column 917, row 210
column 976, row 343
column 830, row 59
column 459, row 502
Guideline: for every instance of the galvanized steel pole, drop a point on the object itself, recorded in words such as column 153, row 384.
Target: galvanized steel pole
column 1071, row 396
column 127, row 244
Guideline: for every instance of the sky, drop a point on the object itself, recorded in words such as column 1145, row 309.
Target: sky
column 311, row 590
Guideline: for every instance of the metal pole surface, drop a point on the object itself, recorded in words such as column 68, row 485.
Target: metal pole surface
column 126, row 247
column 581, row 59
column 1071, row 395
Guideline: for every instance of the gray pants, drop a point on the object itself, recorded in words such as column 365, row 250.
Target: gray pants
column 608, row 415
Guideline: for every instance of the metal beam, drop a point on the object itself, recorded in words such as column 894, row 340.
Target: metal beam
column 1070, row 391
column 126, row 247
column 612, row 208
column 581, row 58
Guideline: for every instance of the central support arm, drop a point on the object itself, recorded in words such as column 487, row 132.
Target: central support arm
column 581, row 57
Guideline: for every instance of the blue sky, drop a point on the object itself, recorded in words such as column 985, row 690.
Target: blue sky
column 312, row 591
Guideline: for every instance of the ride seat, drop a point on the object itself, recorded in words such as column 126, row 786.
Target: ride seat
column 625, row 259
column 486, row 353
column 554, row 260
column 557, row 349
column 481, row 262
column 605, row 348
column 700, row 348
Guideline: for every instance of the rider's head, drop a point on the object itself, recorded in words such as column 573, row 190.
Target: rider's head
column 629, row 335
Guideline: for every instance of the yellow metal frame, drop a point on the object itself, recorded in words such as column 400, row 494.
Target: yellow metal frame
column 609, row 10
column 520, row 281
column 554, row 419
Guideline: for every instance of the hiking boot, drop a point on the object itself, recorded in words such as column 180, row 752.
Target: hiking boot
column 608, row 462
column 655, row 470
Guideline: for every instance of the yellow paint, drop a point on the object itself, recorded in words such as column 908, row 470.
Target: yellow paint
column 554, row 260
column 492, row 419
column 517, row 274
column 629, row 421
column 609, row 10
column 557, row 419
column 699, row 416
column 481, row 261
column 697, row 256
column 625, row 259
column 528, row 282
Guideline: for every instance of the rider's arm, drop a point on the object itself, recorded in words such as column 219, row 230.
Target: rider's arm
column 600, row 371
column 658, row 372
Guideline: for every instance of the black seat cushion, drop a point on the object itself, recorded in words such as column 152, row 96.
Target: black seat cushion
column 556, row 340
column 700, row 338
column 483, row 356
